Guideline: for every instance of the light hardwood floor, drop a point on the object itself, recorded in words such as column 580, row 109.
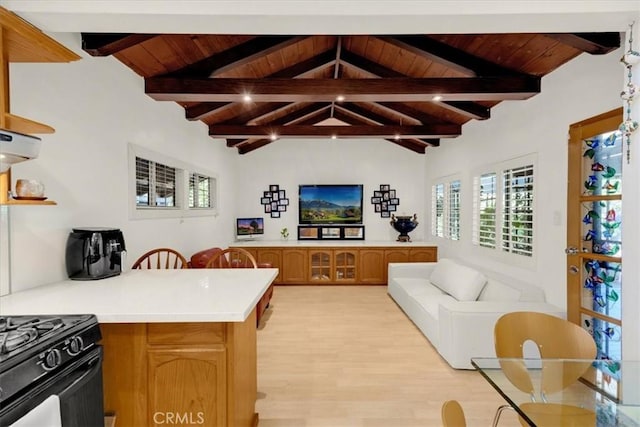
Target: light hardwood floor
column 344, row 356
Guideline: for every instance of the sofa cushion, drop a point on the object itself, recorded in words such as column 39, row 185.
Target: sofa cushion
column 461, row 282
column 497, row 291
column 417, row 286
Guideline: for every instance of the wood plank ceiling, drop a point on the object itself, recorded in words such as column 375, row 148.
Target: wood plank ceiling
column 412, row 90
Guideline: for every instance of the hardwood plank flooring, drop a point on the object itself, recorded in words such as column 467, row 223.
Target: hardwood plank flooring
column 347, row 356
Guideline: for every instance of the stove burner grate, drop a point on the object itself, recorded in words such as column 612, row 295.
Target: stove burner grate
column 18, row 333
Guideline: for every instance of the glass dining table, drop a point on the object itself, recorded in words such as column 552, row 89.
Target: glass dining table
column 563, row 392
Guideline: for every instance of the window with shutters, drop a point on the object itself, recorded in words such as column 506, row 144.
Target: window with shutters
column 504, row 207
column 445, row 203
column 200, row 194
column 155, row 184
column 453, row 214
column 485, row 210
column 438, row 205
column 165, row 187
column 517, row 212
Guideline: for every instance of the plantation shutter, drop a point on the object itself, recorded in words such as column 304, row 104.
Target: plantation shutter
column 484, row 215
column 453, row 217
column 200, row 194
column 517, row 216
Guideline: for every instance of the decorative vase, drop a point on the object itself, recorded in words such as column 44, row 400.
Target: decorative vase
column 404, row 225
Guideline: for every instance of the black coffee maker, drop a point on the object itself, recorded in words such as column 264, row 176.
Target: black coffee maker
column 94, row 253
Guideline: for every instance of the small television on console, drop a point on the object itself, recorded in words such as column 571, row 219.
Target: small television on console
column 330, row 204
column 249, row 228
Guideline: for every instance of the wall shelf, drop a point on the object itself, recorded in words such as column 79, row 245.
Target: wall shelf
column 22, row 42
column 13, row 202
column 24, row 125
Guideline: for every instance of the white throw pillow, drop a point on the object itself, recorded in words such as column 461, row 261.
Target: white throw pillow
column 461, row 282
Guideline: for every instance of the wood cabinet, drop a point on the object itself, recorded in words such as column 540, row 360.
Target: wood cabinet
column 22, row 42
column 273, row 257
column 187, row 373
column 338, row 265
column 422, row 254
column 294, row 266
column 158, row 374
column 373, row 268
column 333, row 266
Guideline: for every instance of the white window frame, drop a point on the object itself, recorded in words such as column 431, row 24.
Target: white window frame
column 438, row 210
column 501, row 210
column 196, row 196
column 442, row 217
column 453, row 201
column 183, row 172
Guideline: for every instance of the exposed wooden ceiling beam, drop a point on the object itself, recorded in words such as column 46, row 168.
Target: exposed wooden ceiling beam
column 313, row 118
column 355, row 90
column 448, row 56
column 467, row 108
column 105, row 44
column 593, row 43
column 301, row 131
column 203, row 109
column 308, row 66
column 236, row 56
column 302, row 113
column 409, row 111
column 257, row 111
column 301, row 69
column 370, row 116
column 351, row 118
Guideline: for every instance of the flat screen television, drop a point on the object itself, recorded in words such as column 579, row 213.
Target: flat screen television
column 249, row 228
column 330, row 204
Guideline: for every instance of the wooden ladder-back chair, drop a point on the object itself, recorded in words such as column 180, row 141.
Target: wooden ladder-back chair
column 555, row 338
column 161, row 258
column 453, row 414
column 232, row 258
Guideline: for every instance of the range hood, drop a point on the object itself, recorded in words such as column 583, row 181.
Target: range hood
column 17, row 147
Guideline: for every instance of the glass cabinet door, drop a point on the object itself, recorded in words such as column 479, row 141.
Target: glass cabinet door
column 345, row 266
column 320, row 265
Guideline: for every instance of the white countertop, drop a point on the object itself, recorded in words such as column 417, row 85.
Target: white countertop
column 293, row 243
column 150, row 296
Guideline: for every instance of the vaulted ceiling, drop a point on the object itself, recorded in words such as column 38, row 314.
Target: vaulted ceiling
column 415, row 91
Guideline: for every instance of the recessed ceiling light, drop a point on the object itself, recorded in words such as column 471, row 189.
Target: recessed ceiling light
column 397, row 137
column 340, row 98
column 274, row 136
column 246, row 98
column 437, row 98
column 334, row 137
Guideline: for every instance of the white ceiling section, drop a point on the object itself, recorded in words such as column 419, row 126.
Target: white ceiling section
column 326, row 16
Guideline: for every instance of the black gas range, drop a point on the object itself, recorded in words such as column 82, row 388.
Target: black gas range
column 44, row 355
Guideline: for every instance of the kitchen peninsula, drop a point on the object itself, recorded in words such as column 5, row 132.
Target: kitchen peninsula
column 178, row 344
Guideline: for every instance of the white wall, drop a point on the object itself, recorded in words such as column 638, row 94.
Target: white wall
column 586, row 86
column 98, row 106
column 290, row 162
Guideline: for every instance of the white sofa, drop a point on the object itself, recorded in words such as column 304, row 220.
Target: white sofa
column 456, row 306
